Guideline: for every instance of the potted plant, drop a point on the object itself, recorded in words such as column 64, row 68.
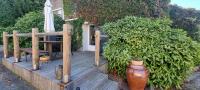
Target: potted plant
column 44, row 58
column 137, row 75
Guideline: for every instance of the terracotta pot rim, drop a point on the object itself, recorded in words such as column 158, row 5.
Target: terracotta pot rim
column 44, row 58
column 134, row 62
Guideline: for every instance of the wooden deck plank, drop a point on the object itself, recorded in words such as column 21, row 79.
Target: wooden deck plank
column 81, row 64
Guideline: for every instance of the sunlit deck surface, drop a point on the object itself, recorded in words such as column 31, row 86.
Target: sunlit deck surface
column 44, row 78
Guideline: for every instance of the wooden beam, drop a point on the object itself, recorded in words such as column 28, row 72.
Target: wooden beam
column 50, row 34
column 66, row 52
column 24, row 35
column 16, row 46
column 97, row 47
column 5, row 44
column 45, row 45
column 35, row 49
column 9, row 35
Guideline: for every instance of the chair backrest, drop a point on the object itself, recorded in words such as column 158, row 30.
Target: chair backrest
column 52, row 38
column 55, row 46
column 103, row 43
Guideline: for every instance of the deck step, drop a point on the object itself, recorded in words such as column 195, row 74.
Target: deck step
column 109, row 85
column 96, row 81
column 93, row 81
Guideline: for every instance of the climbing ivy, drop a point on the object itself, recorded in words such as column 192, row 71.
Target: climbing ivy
column 101, row 11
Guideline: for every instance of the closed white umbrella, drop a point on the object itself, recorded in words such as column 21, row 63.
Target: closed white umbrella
column 49, row 18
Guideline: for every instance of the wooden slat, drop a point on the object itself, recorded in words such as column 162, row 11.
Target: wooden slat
column 66, row 52
column 24, row 34
column 16, row 46
column 97, row 47
column 9, row 35
column 5, row 44
column 50, row 34
column 104, row 36
column 35, row 49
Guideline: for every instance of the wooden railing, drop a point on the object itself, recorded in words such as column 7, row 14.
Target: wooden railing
column 66, row 33
column 97, row 47
column 5, row 44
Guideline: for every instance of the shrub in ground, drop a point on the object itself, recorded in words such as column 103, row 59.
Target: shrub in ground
column 29, row 21
column 168, row 53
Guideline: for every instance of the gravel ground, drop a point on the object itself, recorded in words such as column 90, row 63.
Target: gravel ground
column 10, row 81
column 193, row 82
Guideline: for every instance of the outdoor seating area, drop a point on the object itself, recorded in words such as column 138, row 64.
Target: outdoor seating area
column 82, row 65
column 100, row 45
column 31, row 68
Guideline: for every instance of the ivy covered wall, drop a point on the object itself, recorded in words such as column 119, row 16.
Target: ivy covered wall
column 101, row 11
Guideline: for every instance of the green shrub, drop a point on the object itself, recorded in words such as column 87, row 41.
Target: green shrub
column 2, row 29
column 29, row 21
column 36, row 19
column 10, row 40
column 168, row 53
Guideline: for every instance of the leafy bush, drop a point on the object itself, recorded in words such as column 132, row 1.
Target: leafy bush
column 1, row 34
column 10, row 40
column 168, row 53
column 29, row 21
column 36, row 19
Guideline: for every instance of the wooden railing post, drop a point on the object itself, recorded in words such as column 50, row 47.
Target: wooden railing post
column 66, row 52
column 16, row 46
column 5, row 44
column 45, row 45
column 35, row 49
column 97, row 47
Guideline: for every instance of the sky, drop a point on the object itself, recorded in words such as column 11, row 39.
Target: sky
column 187, row 3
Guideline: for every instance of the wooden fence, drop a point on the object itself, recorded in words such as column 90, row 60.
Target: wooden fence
column 66, row 33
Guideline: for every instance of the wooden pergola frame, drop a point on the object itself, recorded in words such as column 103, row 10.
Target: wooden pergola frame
column 66, row 33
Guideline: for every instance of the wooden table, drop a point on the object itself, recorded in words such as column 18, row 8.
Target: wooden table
column 29, row 51
column 49, row 46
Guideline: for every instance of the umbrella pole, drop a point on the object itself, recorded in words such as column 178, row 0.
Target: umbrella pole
column 45, row 45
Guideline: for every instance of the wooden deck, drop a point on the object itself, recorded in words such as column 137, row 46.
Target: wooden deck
column 82, row 65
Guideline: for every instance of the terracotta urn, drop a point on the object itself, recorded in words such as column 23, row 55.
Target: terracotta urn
column 137, row 75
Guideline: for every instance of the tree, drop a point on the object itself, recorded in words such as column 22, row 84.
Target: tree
column 187, row 19
column 6, row 13
column 12, row 9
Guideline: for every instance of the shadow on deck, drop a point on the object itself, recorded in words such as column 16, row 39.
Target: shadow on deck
column 82, row 63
